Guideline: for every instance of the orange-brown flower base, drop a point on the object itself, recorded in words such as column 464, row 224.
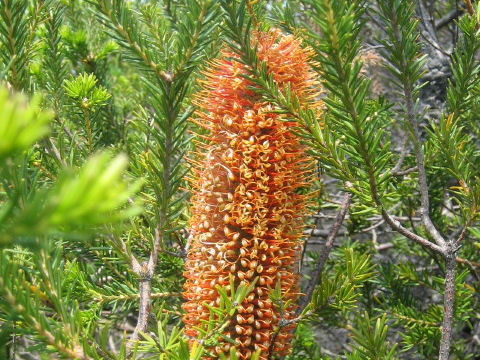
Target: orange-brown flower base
column 247, row 211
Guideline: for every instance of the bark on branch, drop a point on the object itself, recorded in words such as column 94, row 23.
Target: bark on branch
column 145, row 271
column 347, row 200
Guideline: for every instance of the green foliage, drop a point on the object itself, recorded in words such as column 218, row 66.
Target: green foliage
column 354, row 134
column 452, row 138
column 401, row 47
column 95, row 102
column 371, row 341
column 29, row 295
column 88, row 197
column 53, row 63
column 339, row 292
column 84, row 93
column 85, row 197
column 20, row 124
column 16, row 40
column 304, row 344
column 57, row 190
column 169, row 343
column 422, row 321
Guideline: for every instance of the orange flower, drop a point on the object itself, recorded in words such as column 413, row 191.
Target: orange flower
column 246, row 211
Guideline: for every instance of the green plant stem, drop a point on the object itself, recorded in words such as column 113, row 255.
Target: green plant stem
column 88, row 127
column 195, row 37
column 33, row 26
column 15, row 82
column 147, row 269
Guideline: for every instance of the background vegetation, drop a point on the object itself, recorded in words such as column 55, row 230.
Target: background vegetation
column 95, row 103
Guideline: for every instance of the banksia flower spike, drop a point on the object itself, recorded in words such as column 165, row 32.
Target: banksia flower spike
column 246, row 210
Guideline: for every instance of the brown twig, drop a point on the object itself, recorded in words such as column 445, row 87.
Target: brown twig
column 422, row 175
column 463, row 233
column 146, row 272
column 67, row 131
column 323, row 233
column 448, row 18
column 281, row 324
column 384, row 246
column 448, row 306
column 108, row 298
column 472, row 264
column 180, row 255
column 145, row 295
column 55, row 152
column 134, row 264
column 403, row 155
column 347, row 200
column 374, row 226
column 249, row 4
column 406, row 171
column 397, row 226
column 470, row 8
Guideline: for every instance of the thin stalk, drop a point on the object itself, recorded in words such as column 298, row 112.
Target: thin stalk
column 144, row 307
column 109, row 298
column 403, row 154
column 422, row 176
column 470, row 8
column 448, row 306
column 195, row 36
column 88, row 127
column 146, row 272
column 15, row 82
column 347, row 200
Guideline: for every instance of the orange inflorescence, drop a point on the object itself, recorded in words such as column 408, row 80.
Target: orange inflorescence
column 246, row 211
